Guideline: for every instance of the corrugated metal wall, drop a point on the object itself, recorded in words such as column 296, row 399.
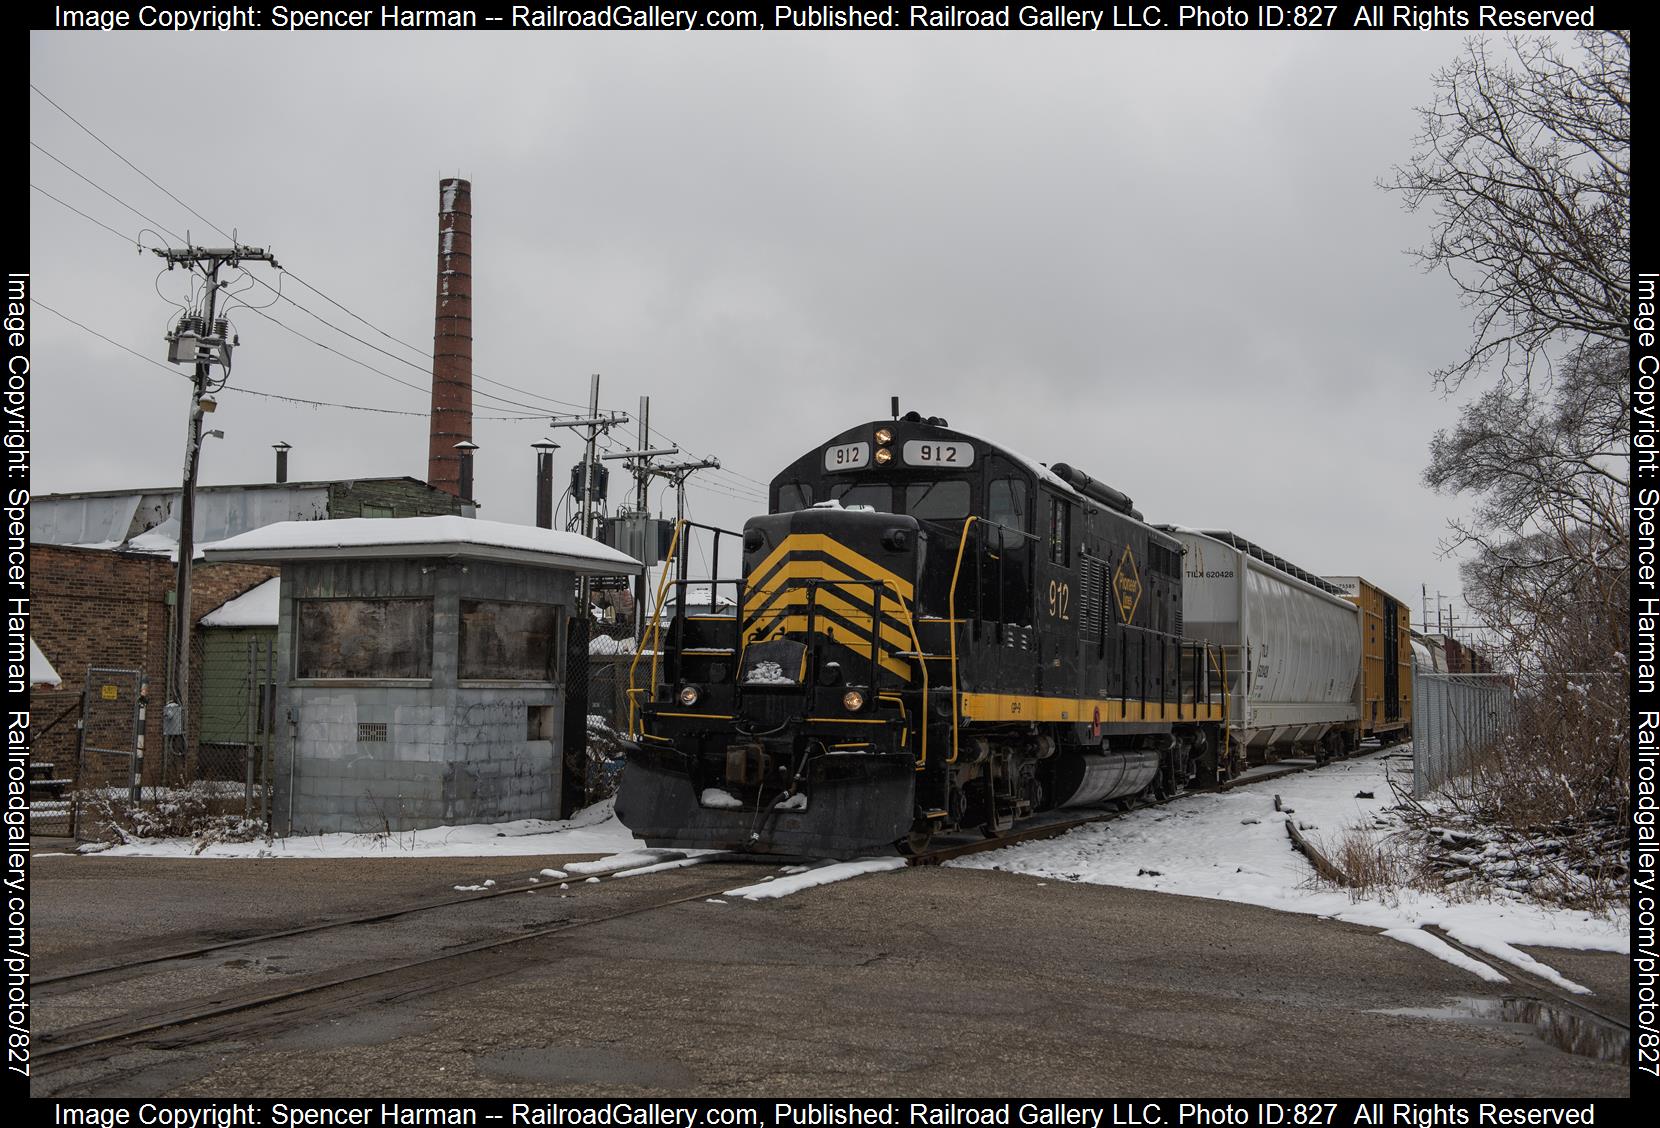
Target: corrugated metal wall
column 1452, row 714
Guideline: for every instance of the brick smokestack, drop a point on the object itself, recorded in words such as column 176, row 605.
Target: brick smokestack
column 452, row 337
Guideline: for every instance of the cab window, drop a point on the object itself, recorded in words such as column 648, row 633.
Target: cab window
column 854, row 493
column 1006, row 506
column 942, row 500
column 1060, row 531
column 794, row 495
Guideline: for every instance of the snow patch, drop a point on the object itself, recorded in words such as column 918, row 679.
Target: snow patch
column 1442, row 950
column 821, row 875
column 767, row 673
column 1230, row 846
column 256, row 607
column 593, row 830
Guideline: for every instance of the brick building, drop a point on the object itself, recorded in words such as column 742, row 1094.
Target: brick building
column 95, row 607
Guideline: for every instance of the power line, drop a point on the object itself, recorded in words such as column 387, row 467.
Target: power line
column 108, row 193
column 170, row 370
column 138, row 242
column 426, row 353
column 732, row 474
column 378, row 349
column 132, row 166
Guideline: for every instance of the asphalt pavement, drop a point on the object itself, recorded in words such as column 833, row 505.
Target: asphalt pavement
column 926, row 981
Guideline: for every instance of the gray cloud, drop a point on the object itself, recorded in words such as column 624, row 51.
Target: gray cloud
column 1161, row 257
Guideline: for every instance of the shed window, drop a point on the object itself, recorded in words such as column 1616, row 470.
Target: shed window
column 509, row 641
column 364, row 638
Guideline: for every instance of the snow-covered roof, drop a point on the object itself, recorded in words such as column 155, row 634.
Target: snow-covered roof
column 256, row 607
column 359, row 537
column 41, row 672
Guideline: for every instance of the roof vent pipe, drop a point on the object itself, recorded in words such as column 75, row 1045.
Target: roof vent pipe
column 282, row 450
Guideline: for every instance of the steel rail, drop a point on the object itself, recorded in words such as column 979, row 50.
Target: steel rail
column 301, row 930
column 99, row 1033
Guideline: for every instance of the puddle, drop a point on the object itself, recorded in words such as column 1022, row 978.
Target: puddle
column 1566, row 1029
column 582, row 1066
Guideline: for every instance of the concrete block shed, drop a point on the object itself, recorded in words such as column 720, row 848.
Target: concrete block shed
column 420, row 668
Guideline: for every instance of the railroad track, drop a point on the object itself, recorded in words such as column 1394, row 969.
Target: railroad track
column 218, row 1017
column 343, row 987
column 1535, row 983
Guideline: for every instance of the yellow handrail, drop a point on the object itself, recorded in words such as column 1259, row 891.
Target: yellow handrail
column 655, row 630
column 951, row 614
column 921, row 662
column 1221, row 669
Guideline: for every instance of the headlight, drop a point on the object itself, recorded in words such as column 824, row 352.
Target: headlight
column 853, row 701
column 689, row 695
column 883, row 436
column 883, row 456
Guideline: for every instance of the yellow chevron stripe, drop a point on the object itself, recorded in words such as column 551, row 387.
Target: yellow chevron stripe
column 862, row 566
column 1028, row 707
column 857, row 618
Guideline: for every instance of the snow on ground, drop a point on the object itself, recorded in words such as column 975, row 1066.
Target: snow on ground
column 592, row 831
column 1233, row 846
column 819, row 875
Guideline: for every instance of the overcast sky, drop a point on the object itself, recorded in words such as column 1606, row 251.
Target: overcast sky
column 1160, row 257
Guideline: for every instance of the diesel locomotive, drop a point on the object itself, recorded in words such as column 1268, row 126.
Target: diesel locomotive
column 931, row 633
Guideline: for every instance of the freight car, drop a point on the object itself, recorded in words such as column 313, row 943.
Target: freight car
column 1292, row 643
column 1385, row 685
column 932, row 633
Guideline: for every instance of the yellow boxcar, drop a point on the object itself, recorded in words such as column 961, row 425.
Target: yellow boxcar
column 1385, row 687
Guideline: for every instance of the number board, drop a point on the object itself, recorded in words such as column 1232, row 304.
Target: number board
column 921, row 452
column 847, row 456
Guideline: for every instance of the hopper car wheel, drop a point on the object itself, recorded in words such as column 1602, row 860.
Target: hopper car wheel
column 916, row 841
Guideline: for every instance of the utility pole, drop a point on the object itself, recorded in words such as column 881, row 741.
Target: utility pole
column 198, row 340
column 678, row 472
column 596, row 425
column 639, row 465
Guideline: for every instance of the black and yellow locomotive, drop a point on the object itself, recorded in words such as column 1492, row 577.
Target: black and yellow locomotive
column 930, row 634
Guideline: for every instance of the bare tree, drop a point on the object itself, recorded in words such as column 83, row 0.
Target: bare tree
column 1524, row 161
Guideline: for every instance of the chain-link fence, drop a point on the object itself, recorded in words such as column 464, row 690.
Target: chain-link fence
column 135, row 776
column 1453, row 716
column 227, row 759
column 596, row 696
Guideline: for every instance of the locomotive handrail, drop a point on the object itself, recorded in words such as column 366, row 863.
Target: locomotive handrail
column 951, row 613
column 1221, row 669
column 655, row 630
column 922, row 665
